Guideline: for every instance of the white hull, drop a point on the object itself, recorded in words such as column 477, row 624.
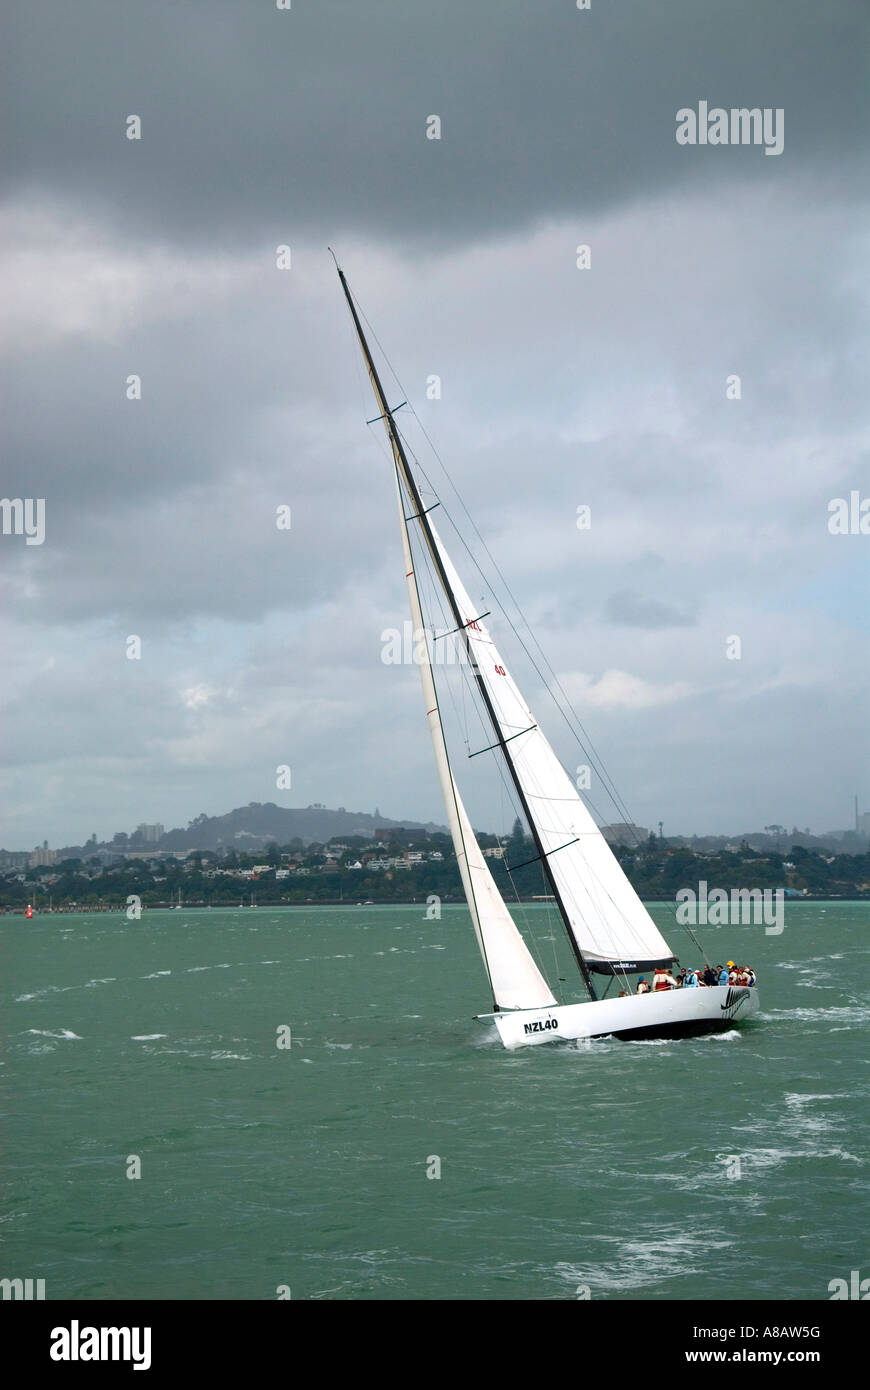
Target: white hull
column 664, row 1014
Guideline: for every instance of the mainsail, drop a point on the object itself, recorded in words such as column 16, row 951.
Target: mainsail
column 609, row 924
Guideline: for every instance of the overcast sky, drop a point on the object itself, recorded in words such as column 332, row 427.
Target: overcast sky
column 561, row 387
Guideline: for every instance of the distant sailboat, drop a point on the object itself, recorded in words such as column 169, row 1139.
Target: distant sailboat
column 611, row 934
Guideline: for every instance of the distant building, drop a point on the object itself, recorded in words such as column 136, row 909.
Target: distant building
column 42, row 855
column 149, row 833
column 399, row 834
column 623, row 833
column 496, row 852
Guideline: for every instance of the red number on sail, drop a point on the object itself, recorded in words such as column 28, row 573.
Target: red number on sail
column 500, row 671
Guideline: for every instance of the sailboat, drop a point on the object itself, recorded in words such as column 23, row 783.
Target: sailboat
column 611, row 934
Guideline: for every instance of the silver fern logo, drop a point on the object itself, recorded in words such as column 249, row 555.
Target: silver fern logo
column 733, row 999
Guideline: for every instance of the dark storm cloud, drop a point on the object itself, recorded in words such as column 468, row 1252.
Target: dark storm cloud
column 605, row 388
column 636, row 610
column 267, row 124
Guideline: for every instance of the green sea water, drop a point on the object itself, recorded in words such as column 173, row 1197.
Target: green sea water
column 604, row 1167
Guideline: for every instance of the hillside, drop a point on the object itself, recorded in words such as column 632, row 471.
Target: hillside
column 258, row 824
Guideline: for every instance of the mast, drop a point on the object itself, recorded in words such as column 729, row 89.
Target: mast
column 461, row 623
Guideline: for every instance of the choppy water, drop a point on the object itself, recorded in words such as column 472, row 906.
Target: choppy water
column 561, row 1166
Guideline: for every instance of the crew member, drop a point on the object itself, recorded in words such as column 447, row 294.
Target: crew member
column 663, row 979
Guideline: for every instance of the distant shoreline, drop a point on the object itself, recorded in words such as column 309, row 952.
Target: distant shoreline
column 121, row 908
